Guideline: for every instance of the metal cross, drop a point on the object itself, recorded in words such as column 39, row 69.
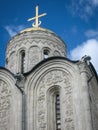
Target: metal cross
column 36, row 18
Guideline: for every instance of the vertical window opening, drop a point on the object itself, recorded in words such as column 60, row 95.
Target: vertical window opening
column 54, row 108
column 58, row 116
column 46, row 54
column 22, row 61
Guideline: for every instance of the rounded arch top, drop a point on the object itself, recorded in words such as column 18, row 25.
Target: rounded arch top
column 62, row 69
column 51, row 80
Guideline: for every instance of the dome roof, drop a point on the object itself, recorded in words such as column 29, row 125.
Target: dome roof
column 35, row 29
column 39, row 29
column 35, row 44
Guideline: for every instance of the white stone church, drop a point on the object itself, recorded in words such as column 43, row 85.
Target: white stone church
column 41, row 89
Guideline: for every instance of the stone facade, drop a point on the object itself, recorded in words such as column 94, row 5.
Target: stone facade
column 10, row 102
column 28, row 99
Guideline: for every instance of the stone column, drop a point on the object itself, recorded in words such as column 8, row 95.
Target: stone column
column 85, row 104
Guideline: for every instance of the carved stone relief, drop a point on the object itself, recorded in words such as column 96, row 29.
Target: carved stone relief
column 41, row 108
column 57, row 53
column 12, row 62
column 5, row 106
column 53, row 77
column 68, row 103
column 50, row 79
column 34, row 56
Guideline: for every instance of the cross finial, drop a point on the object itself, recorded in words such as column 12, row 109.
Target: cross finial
column 37, row 23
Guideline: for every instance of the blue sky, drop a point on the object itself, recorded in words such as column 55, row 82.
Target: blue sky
column 75, row 21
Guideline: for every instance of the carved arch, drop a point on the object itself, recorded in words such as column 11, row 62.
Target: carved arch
column 22, row 56
column 58, row 74
column 46, row 52
column 51, row 107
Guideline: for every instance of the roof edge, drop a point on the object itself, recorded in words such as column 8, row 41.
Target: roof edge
column 46, row 60
column 5, row 69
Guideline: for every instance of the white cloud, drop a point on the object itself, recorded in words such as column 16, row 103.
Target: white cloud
column 95, row 2
column 13, row 30
column 82, row 8
column 90, row 48
column 10, row 31
column 91, row 33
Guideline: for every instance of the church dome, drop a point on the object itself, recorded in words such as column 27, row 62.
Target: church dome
column 31, row 46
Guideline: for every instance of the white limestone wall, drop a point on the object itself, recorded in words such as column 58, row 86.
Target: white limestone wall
column 93, row 99
column 71, row 81
column 10, row 103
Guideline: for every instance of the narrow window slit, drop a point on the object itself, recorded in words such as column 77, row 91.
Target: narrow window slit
column 46, row 53
column 22, row 61
column 58, row 116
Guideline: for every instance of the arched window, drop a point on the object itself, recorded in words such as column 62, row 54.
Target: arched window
column 22, row 61
column 46, row 53
column 54, row 112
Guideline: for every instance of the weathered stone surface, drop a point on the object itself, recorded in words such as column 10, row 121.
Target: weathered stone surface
column 42, row 87
column 33, row 43
column 10, row 103
column 93, row 95
column 34, row 108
